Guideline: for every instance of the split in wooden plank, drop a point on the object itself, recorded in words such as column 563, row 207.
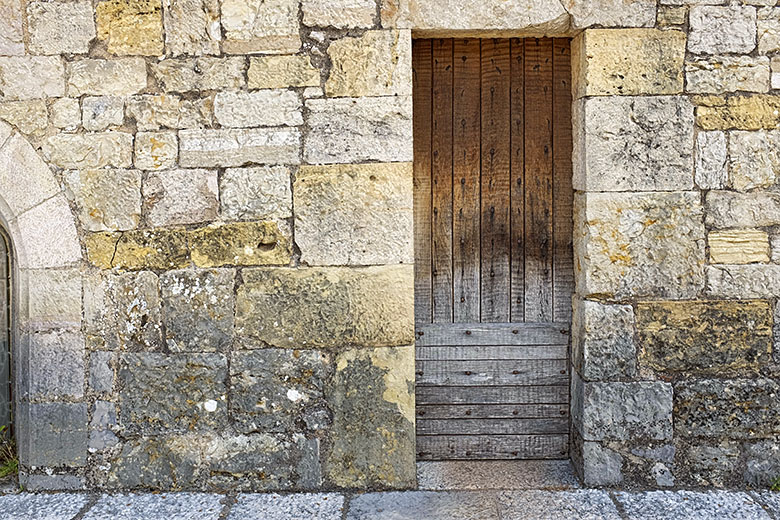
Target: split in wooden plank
column 492, row 447
column 457, row 352
column 543, row 426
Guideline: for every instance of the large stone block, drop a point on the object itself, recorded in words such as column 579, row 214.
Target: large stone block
column 19, row 160
column 143, row 249
column 48, row 236
column 633, row 144
column 256, row 193
column 341, row 14
column 372, row 437
column 155, row 150
column 192, row 27
column 628, row 62
column 58, row 435
column 754, row 159
column 180, row 197
column 282, row 72
column 169, row 111
column 60, row 27
column 118, row 77
column 740, row 112
column 611, row 13
column 763, row 464
column 65, row 113
column 710, row 464
column 603, row 341
column 739, row 246
column 184, row 75
column 743, row 281
column 704, row 336
column 241, row 243
column 108, row 199
column 53, row 299
column 727, row 74
column 56, row 365
column 600, row 465
column 98, row 113
column 237, row 109
column 11, row 37
column 640, row 244
column 255, row 26
column 130, row 28
column 237, row 147
column 31, row 77
column 727, row 408
column 726, row 209
column 351, row 130
column 135, row 298
column 711, row 156
column 768, row 30
column 721, row 29
column 327, row 307
column 30, row 116
column 84, row 151
column 354, row 214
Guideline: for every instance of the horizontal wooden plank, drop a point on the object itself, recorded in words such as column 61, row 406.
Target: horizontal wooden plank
column 493, row 352
column 493, row 372
column 491, row 426
column 492, row 411
column 437, row 334
column 454, row 447
column 492, row 394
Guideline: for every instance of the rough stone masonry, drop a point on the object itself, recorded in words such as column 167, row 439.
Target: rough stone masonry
column 211, row 209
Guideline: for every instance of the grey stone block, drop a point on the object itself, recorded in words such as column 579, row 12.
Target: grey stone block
column 710, row 464
column 315, row 506
column 415, row 505
column 28, row 506
column 57, row 364
column 101, row 371
column 600, row 466
column 583, row 504
column 100, row 440
column 770, row 500
column 603, row 341
column 174, row 506
column 763, row 464
column 691, row 505
column 50, row 483
column 58, row 436
column 138, row 310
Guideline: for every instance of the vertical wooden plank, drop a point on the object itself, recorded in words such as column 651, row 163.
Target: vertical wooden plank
column 563, row 261
column 517, row 182
column 465, row 171
column 495, row 180
column 441, row 150
column 538, row 179
column 422, row 75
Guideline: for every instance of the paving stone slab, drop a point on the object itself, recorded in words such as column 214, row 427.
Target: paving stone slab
column 168, row 506
column 582, row 504
column 496, row 474
column 25, row 506
column 770, row 500
column 690, row 505
column 428, row 505
column 309, row 506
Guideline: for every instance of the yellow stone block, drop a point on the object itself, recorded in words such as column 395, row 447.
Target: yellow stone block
column 739, row 246
column 240, row 243
column 739, row 112
column 150, row 249
column 131, row 27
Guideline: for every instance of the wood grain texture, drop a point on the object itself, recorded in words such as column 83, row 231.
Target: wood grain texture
column 493, row 411
column 517, row 181
column 490, row 372
column 459, row 352
column 475, row 395
column 492, row 447
column 437, row 334
column 492, row 426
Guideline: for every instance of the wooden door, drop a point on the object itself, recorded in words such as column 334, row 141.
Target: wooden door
column 493, row 254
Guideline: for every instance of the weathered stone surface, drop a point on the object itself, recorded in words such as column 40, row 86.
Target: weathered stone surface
column 478, row 475
column 128, row 506
column 601, row 466
column 149, row 249
column 237, row 147
column 739, row 246
column 117, row 77
column 258, row 108
column 256, row 193
column 711, row 156
column 136, row 300
column 31, row 77
column 60, row 27
column 581, row 503
column 98, row 150
column 763, row 464
column 184, row 75
column 108, row 200
column 640, row 244
column 48, row 236
column 768, row 30
column 671, row 15
column 704, row 337
column 326, row 307
column 279, row 390
column 11, row 37
column 741, row 113
column 633, row 144
column 354, row 214
column 359, row 129
column 378, row 63
column 611, row 13
column 754, row 159
column 36, row 483
column 98, row 113
column 726, row 209
column 101, row 371
column 180, row 197
column 710, row 464
column 59, row 437
column 241, row 243
column 169, row 111
column 708, row 408
column 56, row 365
column 193, row 386
column 30, row 117
column 18, row 160
column 192, row 27
column 53, row 299
column 130, row 28
column 774, row 65
column 689, row 504
column 372, row 399
column 65, row 113
column 727, row 74
column 341, row 14
column 167, row 462
column 156, row 150
column 626, row 62
column 39, row 505
column 197, row 309
column 282, row 72
column 743, row 281
column 322, row 506
column 720, row 29
column 268, row 27
column 603, row 341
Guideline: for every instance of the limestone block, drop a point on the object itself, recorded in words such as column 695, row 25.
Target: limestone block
column 108, row 199
column 101, row 371
column 354, row 214
column 726, row 209
column 242, row 243
column 11, row 38
column 279, row 390
column 31, row 77
column 148, row 249
column 152, row 112
column 378, row 63
column 130, row 27
column 197, row 309
column 739, row 246
column 60, row 27
column 256, row 193
column 180, row 197
column 261, row 26
column 722, row 29
column 192, row 27
column 774, row 65
column 601, row 466
column 18, row 160
column 98, row 150
column 237, row 109
column 327, row 307
column 740, row 112
column 639, row 244
column 156, row 150
column 633, row 144
column 30, row 117
column 768, row 30
column 671, row 15
column 727, row 74
column 237, row 147
column 627, row 62
column 711, row 464
column 711, row 156
column 98, row 113
column 48, row 236
column 119, row 77
column 59, row 437
column 56, row 365
column 603, row 341
column 704, row 336
column 66, row 113
column 372, row 439
column 351, row 130
column 763, row 464
column 282, row 72
column 754, row 159
column 341, row 14
column 184, row 75
column 611, row 13
column 743, row 281
column 53, row 299
column 135, row 298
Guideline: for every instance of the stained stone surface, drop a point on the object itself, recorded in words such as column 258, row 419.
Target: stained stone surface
column 184, row 75
column 711, row 464
column 726, row 209
column 281, row 72
column 191, row 26
column 60, row 27
column 603, row 341
column 754, row 160
column 30, row 117
column 136, row 299
column 180, row 197
column 690, row 505
column 241, row 243
column 174, row 506
column 256, row 193
column 152, row 112
column 155, row 150
column 95, row 150
column 768, row 29
column 763, row 464
column 97, row 77
column 108, row 199
column 743, row 281
column 711, row 160
column 740, row 112
column 30, row 77
column 570, row 505
column 130, row 28
column 98, row 113
column 453, row 505
column 155, row 249
column 718, row 30
column 320, row 506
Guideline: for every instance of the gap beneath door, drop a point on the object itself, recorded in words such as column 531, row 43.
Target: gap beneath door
column 496, row 474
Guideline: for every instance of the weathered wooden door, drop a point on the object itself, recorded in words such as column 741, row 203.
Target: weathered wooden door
column 493, row 234
column 5, row 317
